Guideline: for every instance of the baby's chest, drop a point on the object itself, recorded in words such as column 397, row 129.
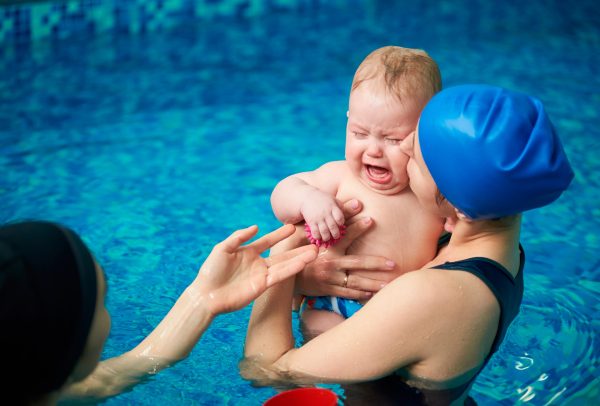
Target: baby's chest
column 400, row 232
column 388, row 209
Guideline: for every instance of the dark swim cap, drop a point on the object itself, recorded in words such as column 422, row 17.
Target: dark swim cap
column 492, row 152
column 48, row 294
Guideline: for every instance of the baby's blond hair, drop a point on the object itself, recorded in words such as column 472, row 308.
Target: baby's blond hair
column 407, row 73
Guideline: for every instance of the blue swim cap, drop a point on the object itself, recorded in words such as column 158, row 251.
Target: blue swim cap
column 492, row 152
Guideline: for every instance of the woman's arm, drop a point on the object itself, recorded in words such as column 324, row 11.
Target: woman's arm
column 230, row 278
column 382, row 337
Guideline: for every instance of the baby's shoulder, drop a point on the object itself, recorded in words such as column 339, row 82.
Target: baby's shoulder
column 329, row 176
column 337, row 170
column 334, row 166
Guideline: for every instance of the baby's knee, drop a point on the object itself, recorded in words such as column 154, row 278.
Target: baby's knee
column 315, row 322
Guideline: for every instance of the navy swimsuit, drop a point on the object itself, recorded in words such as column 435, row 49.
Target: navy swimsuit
column 508, row 291
column 392, row 390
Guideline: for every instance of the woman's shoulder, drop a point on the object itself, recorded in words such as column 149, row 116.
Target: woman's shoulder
column 425, row 288
column 430, row 289
column 450, row 309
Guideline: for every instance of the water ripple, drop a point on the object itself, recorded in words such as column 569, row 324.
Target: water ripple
column 554, row 354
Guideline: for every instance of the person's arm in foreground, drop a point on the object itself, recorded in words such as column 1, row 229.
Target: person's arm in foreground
column 310, row 197
column 382, row 337
column 231, row 277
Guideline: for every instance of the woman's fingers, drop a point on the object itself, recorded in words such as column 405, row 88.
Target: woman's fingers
column 353, row 231
column 324, row 231
column 237, row 238
column 333, row 227
column 351, row 208
column 314, row 230
column 267, row 241
column 284, row 256
column 350, row 285
column 353, row 294
column 361, row 283
column 377, row 275
column 291, row 266
column 358, row 262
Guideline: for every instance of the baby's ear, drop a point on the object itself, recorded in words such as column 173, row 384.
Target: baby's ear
column 449, row 224
column 461, row 215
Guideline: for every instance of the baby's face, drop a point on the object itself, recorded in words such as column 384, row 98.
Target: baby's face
column 377, row 124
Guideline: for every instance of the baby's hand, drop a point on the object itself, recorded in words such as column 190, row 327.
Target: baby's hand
column 323, row 215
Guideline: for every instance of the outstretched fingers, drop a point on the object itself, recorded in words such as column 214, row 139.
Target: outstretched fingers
column 284, row 256
column 239, row 237
column 267, row 241
column 290, row 266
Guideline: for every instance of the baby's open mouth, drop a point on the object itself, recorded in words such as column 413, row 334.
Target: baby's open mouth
column 378, row 174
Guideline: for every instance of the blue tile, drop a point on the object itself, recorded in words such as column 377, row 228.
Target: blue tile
column 136, row 15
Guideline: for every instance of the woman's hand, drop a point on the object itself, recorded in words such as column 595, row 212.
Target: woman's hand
column 351, row 276
column 233, row 275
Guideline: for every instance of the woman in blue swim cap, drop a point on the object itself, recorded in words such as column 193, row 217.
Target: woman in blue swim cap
column 491, row 152
column 481, row 155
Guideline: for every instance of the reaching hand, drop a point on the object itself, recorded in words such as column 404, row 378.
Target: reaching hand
column 233, row 275
column 323, row 215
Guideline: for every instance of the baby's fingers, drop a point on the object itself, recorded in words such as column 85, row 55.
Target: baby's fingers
column 338, row 216
column 324, row 231
column 314, row 230
column 333, row 227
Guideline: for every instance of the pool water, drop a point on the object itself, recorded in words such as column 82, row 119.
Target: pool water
column 157, row 145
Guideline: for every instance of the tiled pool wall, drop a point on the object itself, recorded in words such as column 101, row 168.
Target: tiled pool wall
column 23, row 22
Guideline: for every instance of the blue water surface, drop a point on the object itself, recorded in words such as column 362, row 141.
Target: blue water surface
column 157, row 145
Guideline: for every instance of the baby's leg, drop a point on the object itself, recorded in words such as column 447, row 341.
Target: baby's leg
column 314, row 322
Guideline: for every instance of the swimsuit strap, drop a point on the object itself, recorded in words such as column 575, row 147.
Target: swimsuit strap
column 508, row 291
column 443, row 240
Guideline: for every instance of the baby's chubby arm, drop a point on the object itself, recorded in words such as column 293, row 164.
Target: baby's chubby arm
column 310, row 197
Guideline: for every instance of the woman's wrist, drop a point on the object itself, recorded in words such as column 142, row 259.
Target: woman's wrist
column 201, row 300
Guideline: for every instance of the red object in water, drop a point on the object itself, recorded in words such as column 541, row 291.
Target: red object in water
column 303, row 397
